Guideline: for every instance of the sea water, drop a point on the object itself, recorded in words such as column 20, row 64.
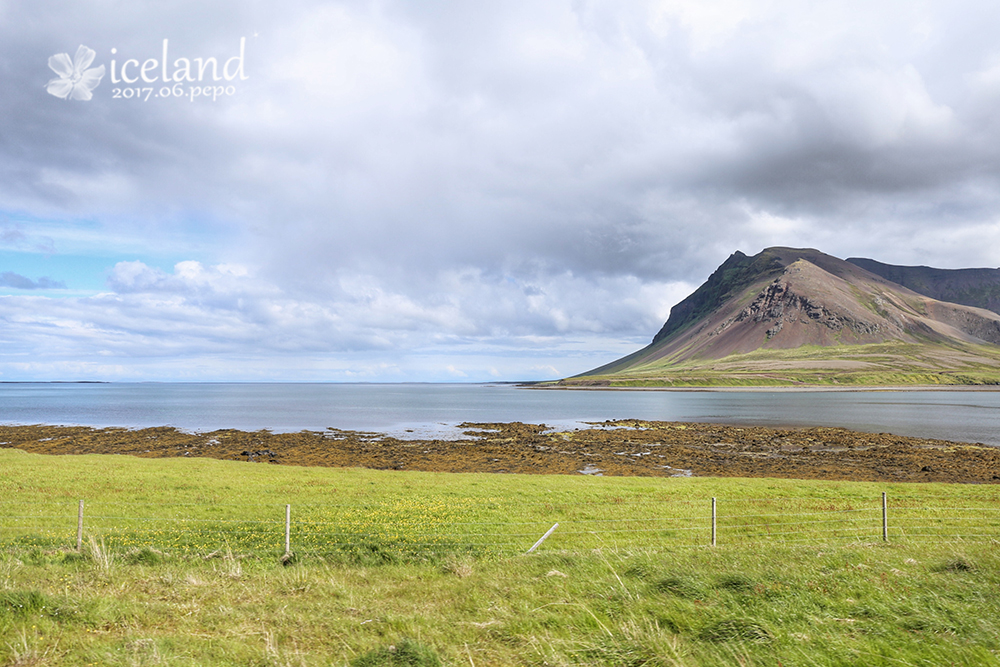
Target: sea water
column 436, row 410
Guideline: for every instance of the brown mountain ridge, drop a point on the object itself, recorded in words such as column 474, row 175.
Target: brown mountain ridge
column 969, row 287
column 793, row 316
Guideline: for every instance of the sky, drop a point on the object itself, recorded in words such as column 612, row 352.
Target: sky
column 436, row 191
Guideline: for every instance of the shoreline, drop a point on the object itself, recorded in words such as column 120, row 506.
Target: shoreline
column 612, row 448
column 780, row 388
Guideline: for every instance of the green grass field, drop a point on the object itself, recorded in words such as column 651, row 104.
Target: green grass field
column 182, row 565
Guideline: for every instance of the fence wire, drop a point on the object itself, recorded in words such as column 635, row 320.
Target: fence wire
column 415, row 528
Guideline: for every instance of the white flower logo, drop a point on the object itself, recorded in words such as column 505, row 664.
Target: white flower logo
column 75, row 81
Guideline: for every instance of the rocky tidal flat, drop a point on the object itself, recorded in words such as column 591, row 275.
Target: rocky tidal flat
column 613, row 448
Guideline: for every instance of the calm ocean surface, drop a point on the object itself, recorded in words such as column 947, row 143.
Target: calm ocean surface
column 425, row 410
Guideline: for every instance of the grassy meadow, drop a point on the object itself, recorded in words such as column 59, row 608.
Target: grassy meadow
column 183, row 563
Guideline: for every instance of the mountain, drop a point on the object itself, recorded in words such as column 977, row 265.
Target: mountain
column 789, row 316
column 970, row 287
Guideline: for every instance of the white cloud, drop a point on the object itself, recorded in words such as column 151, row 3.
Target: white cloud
column 240, row 321
column 454, row 372
column 401, row 187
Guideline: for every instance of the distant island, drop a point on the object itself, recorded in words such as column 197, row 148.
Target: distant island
column 799, row 317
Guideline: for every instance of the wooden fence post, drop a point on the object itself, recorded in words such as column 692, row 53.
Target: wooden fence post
column 79, row 528
column 713, row 521
column 885, row 519
column 288, row 529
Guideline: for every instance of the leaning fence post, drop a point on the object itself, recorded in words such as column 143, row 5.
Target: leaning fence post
column 288, row 529
column 885, row 519
column 79, row 528
column 713, row 521
column 542, row 538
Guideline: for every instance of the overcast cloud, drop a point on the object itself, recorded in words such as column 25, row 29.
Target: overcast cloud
column 458, row 191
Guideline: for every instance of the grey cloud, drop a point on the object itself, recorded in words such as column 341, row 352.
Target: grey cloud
column 398, row 171
column 15, row 238
column 17, row 281
column 11, row 236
